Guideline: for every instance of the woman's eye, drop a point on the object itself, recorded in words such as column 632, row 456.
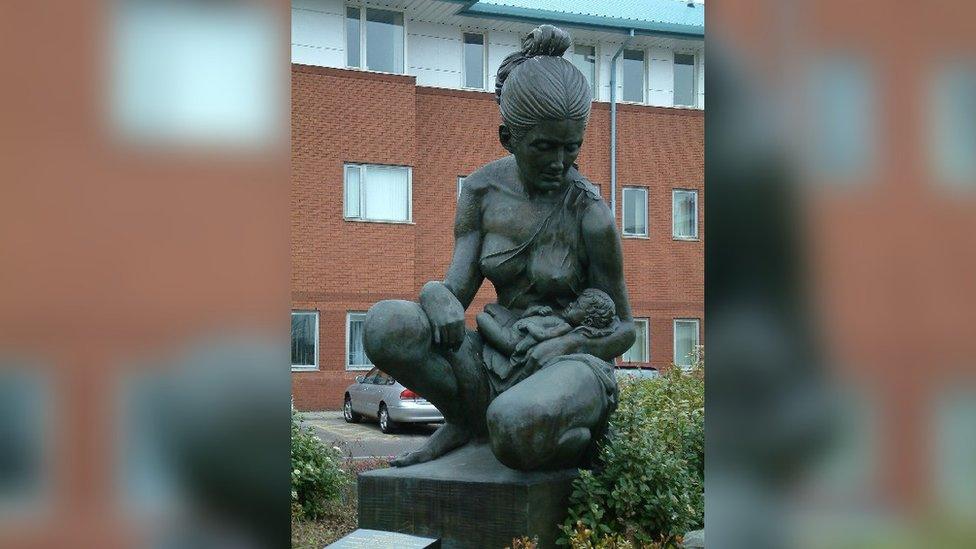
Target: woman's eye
column 572, row 148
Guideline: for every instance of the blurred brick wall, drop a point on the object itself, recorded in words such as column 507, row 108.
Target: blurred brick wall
column 339, row 266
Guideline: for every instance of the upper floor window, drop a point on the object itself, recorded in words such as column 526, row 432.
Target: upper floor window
column 684, row 214
column 377, row 193
column 684, row 79
column 382, row 42
column 639, row 351
column 304, row 340
column 633, row 73
column 635, row 211
column 953, row 125
column 460, row 182
column 474, row 60
column 841, row 120
column 584, row 57
column 685, row 341
column 356, row 358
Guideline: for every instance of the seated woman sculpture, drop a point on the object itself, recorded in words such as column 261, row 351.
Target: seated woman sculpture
column 539, row 231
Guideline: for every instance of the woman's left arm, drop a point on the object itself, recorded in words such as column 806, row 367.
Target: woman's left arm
column 605, row 273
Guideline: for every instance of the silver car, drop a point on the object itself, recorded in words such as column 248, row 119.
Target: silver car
column 379, row 396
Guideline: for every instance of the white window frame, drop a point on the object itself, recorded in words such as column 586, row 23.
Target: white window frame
column 674, row 338
column 356, row 367
column 306, row 367
column 647, row 220
column 674, row 234
column 460, row 183
column 596, row 66
column 647, row 342
column 362, row 36
column 362, row 179
column 694, row 79
column 644, row 77
column 484, row 61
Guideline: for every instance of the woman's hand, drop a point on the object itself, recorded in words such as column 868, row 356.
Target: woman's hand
column 557, row 346
column 445, row 313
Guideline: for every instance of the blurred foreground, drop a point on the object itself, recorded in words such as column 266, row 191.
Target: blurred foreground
column 841, row 260
column 144, row 279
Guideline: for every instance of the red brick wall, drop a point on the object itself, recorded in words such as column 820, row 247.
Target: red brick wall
column 339, row 266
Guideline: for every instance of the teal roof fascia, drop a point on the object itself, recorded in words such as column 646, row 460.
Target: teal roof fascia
column 618, row 24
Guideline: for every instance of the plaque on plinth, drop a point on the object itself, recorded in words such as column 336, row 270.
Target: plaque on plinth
column 364, row 538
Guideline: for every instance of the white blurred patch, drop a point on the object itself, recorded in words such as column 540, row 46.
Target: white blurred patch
column 196, row 73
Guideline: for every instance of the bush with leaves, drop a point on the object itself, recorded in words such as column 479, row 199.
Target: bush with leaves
column 317, row 476
column 648, row 487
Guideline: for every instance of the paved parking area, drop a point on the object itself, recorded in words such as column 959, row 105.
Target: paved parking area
column 365, row 439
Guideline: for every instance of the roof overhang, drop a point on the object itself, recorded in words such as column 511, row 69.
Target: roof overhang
column 608, row 24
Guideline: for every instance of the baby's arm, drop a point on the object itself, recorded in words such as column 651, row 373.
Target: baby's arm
column 553, row 327
column 504, row 340
column 537, row 310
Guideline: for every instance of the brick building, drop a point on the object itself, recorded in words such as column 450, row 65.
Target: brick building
column 382, row 137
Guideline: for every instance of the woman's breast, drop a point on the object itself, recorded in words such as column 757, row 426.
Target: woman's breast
column 555, row 271
column 500, row 268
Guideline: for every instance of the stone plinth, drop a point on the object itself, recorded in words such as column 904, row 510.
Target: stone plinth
column 467, row 499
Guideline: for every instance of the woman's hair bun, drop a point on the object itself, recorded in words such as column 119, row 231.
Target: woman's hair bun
column 546, row 40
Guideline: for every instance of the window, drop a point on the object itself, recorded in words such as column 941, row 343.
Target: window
column 356, row 358
column 474, row 60
column 353, row 37
column 638, row 352
column 635, row 211
column 461, row 179
column 383, row 378
column 377, row 193
column 684, row 214
column 382, row 41
column 304, row 340
column 25, row 404
column 953, row 125
column 841, row 119
column 584, row 57
column 684, row 79
column 633, row 69
column 685, row 341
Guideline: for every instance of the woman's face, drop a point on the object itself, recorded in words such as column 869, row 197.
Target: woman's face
column 546, row 153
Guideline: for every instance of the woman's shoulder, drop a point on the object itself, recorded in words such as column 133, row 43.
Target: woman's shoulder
column 489, row 175
column 583, row 184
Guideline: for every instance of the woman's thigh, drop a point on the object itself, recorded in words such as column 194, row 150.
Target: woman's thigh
column 398, row 340
column 527, row 422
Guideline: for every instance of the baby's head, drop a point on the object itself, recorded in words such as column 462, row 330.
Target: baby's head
column 592, row 308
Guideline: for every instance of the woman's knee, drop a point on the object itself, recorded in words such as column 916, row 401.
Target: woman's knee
column 521, row 433
column 395, row 332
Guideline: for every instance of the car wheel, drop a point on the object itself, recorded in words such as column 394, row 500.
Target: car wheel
column 347, row 413
column 387, row 425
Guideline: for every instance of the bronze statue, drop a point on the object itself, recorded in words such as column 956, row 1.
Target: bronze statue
column 539, row 231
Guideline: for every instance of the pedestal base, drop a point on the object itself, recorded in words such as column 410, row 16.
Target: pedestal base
column 467, row 499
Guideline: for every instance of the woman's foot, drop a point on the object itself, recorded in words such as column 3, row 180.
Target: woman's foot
column 446, row 438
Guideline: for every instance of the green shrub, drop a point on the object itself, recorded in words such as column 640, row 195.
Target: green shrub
column 648, row 487
column 317, row 476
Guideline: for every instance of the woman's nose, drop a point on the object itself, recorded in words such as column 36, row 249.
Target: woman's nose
column 557, row 160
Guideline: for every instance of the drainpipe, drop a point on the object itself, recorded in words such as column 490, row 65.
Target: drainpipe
column 613, row 126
